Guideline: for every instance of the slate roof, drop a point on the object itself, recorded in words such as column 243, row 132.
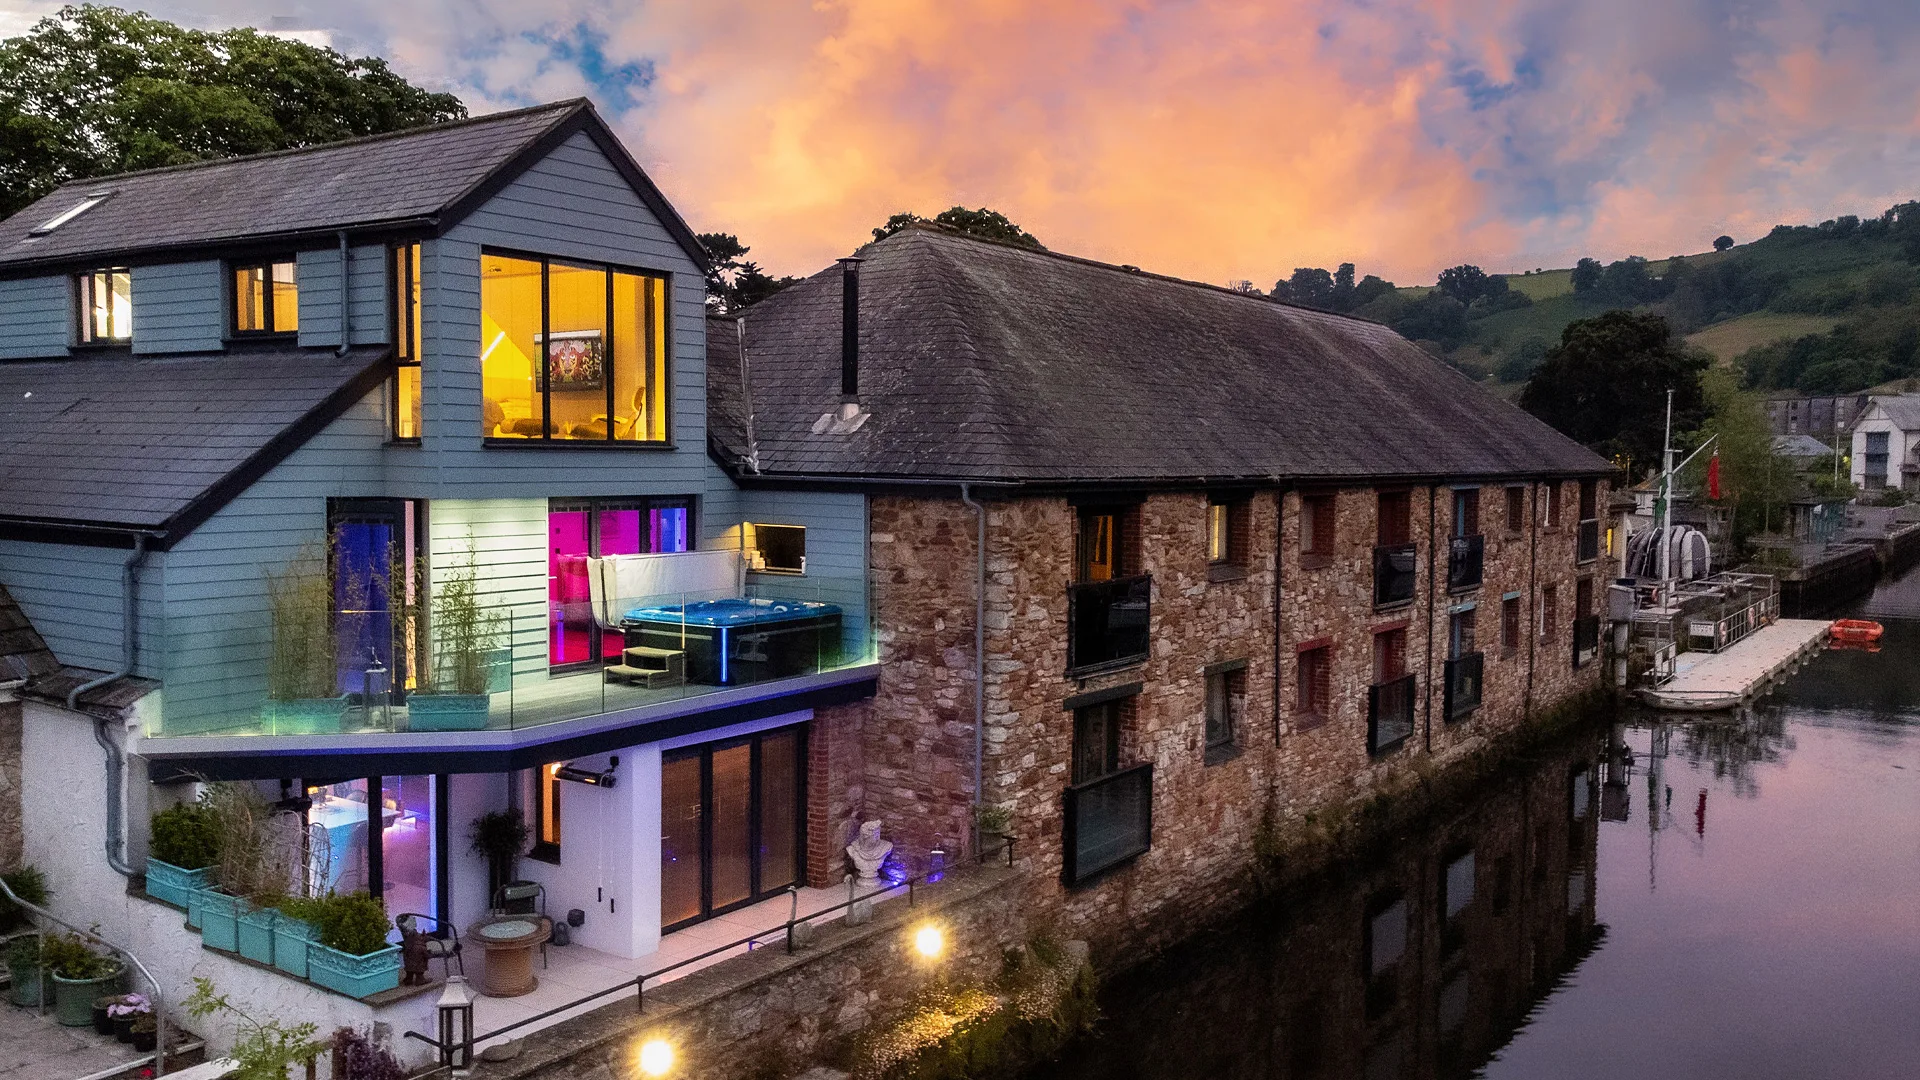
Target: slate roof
column 1902, row 409
column 987, row 362
column 157, row 444
column 23, row 655
column 415, row 177
column 1800, row 446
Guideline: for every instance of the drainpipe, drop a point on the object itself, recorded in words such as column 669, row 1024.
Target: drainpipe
column 346, row 327
column 746, row 396
column 979, row 654
column 129, row 650
column 1279, row 560
column 1433, row 575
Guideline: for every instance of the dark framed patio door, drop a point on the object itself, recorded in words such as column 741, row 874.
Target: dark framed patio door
column 731, row 816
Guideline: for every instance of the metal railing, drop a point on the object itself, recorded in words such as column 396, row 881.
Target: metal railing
column 1108, row 621
column 1587, row 540
column 157, row 996
column 1466, row 562
column 1393, row 574
column 1463, row 674
column 1107, row 821
column 1389, row 713
column 638, row 984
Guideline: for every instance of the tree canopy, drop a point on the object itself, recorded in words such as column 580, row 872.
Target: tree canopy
column 735, row 282
column 984, row 223
column 91, row 91
column 1605, row 385
column 1722, row 242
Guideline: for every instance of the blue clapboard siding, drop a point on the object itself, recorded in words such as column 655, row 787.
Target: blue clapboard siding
column 36, row 317
column 218, row 633
column 73, row 596
column 507, row 541
column 836, row 524
column 318, row 275
column 178, row 307
column 571, row 204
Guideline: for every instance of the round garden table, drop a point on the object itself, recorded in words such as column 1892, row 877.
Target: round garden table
column 509, row 941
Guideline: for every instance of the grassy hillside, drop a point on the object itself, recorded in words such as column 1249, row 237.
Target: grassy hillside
column 1726, row 340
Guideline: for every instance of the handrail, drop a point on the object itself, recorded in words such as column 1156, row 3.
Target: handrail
column 159, row 996
column 639, row 982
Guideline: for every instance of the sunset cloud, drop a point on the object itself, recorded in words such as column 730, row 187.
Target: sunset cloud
column 1210, row 139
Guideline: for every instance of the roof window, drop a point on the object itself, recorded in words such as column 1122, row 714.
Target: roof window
column 93, row 199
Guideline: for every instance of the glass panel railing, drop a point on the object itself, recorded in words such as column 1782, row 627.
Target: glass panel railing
column 1393, row 574
column 1466, row 560
column 1108, row 821
column 1108, row 622
column 1463, row 675
column 1389, row 713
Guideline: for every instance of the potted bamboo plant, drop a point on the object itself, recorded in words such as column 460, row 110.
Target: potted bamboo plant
column 454, row 687
column 246, row 870
column 303, row 695
column 183, row 845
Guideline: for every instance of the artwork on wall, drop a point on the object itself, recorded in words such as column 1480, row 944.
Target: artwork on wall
column 576, row 360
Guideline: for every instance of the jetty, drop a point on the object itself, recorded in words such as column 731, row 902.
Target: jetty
column 1706, row 681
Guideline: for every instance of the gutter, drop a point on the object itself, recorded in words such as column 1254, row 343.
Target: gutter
column 116, row 840
column 979, row 654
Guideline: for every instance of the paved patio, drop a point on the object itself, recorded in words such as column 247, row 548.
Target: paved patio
column 34, row 1047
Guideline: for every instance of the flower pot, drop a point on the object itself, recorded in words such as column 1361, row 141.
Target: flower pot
column 173, row 884
column 354, row 976
column 102, row 1023
column 447, row 712
column 123, row 1028
column 145, row 1041
column 256, row 934
column 29, row 988
column 73, row 998
column 290, row 940
column 220, row 919
column 305, row 716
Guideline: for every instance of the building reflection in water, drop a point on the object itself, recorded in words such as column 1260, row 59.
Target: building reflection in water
column 1422, row 963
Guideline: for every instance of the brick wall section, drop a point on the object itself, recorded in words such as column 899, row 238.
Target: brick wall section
column 835, row 788
column 10, row 835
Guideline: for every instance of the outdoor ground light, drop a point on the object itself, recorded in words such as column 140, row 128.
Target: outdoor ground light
column 929, row 942
column 656, row 1057
column 456, row 1025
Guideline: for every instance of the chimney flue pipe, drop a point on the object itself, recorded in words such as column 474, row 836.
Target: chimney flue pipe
column 850, row 328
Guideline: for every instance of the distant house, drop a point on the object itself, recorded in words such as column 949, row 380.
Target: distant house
column 1821, row 417
column 1884, row 443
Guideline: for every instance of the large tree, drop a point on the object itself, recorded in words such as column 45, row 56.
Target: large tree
column 984, row 223
column 93, row 90
column 1606, row 385
column 735, row 282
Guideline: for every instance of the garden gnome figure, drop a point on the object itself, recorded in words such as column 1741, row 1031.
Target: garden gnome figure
column 413, row 955
column 867, row 853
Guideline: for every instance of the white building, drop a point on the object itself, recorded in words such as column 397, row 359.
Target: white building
column 1884, row 443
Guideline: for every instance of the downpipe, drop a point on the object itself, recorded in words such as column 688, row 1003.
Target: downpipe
column 116, row 840
column 346, row 311
column 979, row 654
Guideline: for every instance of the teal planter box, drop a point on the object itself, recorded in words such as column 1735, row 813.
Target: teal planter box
column 290, row 940
column 197, row 902
column 220, row 919
column 256, row 934
column 73, row 998
column 447, row 712
column 170, row 883
column 306, row 716
column 354, row 976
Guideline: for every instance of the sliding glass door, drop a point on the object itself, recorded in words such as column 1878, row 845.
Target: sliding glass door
column 731, row 820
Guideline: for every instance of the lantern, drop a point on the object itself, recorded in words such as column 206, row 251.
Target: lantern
column 456, row 1025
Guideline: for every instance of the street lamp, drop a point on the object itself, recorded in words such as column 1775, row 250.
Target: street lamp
column 456, row 1025
column 656, row 1057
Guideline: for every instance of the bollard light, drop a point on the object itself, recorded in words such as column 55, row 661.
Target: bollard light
column 656, row 1057
column 456, row 1025
column 928, row 941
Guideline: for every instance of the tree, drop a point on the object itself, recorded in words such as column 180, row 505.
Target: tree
column 1755, row 483
column 1465, row 283
column 1627, row 282
column 984, row 223
column 1586, row 275
column 1605, row 384
column 1369, row 289
column 1434, row 317
column 92, row 91
column 1722, row 243
column 1309, row 285
column 734, row 282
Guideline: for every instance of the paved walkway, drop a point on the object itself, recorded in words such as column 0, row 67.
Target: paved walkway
column 33, row 1047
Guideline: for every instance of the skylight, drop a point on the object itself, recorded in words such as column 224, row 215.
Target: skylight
column 93, row 199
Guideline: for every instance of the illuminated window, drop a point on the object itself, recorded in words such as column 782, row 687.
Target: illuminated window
column 106, row 306
column 266, row 298
column 546, row 813
column 406, row 339
column 1227, row 532
column 778, row 549
column 572, row 352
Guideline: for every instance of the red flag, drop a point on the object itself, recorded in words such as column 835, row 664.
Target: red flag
column 1713, row 476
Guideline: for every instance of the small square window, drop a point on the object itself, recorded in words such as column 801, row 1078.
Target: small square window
column 266, row 298
column 778, row 549
column 105, row 314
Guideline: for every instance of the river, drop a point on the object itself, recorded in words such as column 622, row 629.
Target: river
column 1723, row 898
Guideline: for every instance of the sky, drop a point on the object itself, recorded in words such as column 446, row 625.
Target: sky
column 1211, row 140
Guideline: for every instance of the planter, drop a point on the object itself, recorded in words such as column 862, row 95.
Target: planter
column 256, row 934
column 73, row 998
column 145, row 1041
column 123, row 1028
column 447, row 712
column 220, row 919
column 102, row 1023
column 290, row 940
column 29, row 988
column 196, row 903
column 174, row 885
column 354, row 976
column 305, row 716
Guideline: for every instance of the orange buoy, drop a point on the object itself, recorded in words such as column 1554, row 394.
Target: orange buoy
column 1855, row 631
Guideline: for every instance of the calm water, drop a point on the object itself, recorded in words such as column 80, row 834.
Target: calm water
column 1733, row 898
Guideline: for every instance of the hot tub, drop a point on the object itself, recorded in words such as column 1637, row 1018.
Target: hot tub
column 738, row 641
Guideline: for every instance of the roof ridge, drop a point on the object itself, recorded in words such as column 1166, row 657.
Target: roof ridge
column 567, row 105
column 1126, row 269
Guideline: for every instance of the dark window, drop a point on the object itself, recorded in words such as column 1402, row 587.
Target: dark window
column 1466, row 512
column 1553, row 505
column 1108, row 810
column 1510, row 626
column 1516, row 510
column 1876, row 464
column 1583, row 598
column 105, row 308
column 778, row 549
column 1389, row 654
column 1460, row 634
column 406, row 341
column 1549, row 611
column 1226, row 699
column 1396, row 518
column 266, row 298
column 1589, row 499
column 1316, row 530
column 1313, row 691
column 1096, row 739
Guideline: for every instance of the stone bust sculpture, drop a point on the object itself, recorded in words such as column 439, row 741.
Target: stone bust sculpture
column 868, row 851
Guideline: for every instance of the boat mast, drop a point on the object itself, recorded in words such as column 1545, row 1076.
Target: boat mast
column 1666, row 510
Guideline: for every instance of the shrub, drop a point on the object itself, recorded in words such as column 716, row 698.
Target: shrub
column 355, row 924
column 357, row 1057
column 70, row 957
column 23, row 955
column 242, row 820
column 29, row 884
column 186, row 836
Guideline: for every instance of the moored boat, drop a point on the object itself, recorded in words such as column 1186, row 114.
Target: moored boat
column 1855, row 631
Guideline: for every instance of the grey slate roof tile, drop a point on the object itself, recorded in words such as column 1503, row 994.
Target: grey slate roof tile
column 982, row 361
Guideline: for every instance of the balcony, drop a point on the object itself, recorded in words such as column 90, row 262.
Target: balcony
column 1463, row 684
column 1393, row 573
column 1586, row 639
column 1107, row 622
column 1587, row 540
column 1107, row 822
column 1466, row 562
column 1389, row 714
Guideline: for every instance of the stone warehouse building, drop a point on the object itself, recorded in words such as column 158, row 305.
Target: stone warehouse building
column 1151, row 562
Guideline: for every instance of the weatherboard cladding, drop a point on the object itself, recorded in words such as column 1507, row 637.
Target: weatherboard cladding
column 177, row 307
column 36, row 317
column 141, row 442
column 983, row 361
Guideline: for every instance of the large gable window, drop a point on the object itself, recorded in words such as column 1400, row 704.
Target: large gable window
column 572, row 352
column 266, row 299
column 105, row 306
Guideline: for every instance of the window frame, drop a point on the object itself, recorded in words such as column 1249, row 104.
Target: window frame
column 546, row 811
column 1318, row 529
column 407, row 327
column 1553, row 508
column 543, row 395
column 1313, row 689
column 594, row 506
column 786, row 571
column 1516, row 510
column 1402, row 533
column 235, row 267
column 1225, row 695
column 1115, row 714
column 84, row 284
column 1232, row 513
column 1511, row 623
